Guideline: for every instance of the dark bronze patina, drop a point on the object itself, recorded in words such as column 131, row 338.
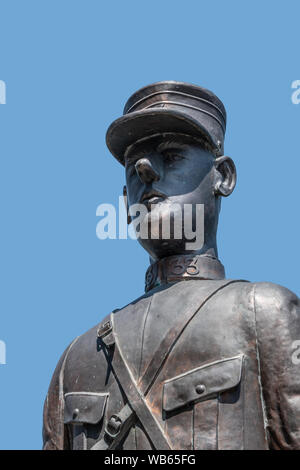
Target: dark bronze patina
column 198, row 361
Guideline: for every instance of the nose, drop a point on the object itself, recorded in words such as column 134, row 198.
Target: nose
column 146, row 172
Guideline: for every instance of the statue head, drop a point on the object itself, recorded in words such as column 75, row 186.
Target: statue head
column 170, row 140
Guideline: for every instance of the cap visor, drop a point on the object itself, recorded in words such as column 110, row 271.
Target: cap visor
column 132, row 127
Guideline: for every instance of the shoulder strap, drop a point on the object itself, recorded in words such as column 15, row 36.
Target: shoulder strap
column 137, row 406
column 137, row 400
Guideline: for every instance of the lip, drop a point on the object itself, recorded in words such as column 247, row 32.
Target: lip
column 152, row 197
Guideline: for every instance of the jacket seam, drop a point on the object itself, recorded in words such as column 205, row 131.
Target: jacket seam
column 61, row 387
column 263, row 403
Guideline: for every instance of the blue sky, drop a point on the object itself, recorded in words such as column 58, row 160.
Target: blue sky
column 69, row 68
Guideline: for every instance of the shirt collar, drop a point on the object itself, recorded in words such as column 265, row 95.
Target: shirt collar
column 182, row 268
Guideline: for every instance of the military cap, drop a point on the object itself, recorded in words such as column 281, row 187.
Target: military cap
column 169, row 107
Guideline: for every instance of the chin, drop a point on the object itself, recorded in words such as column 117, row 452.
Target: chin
column 161, row 248
column 163, row 220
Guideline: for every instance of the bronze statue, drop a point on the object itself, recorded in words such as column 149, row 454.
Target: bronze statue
column 199, row 361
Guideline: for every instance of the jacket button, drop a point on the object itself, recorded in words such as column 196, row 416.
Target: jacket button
column 200, row 389
column 75, row 413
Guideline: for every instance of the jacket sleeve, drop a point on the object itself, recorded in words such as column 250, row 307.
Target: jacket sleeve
column 54, row 432
column 278, row 337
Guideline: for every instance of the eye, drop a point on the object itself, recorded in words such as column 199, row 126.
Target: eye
column 172, row 156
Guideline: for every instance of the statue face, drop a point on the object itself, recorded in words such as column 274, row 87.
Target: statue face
column 172, row 171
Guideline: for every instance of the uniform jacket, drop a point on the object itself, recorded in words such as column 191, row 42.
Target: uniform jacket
column 231, row 379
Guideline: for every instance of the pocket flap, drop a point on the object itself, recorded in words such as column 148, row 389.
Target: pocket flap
column 199, row 383
column 84, row 407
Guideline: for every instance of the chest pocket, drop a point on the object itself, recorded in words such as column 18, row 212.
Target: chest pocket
column 203, row 400
column 201, row 383
column 83, row 413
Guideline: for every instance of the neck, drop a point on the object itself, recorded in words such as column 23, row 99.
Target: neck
column 207, row 250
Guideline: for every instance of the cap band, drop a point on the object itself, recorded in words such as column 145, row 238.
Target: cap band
column 177, row 103
column 162, row 92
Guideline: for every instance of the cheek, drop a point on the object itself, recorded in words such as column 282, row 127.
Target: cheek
column 197, row 181
column 133, row 189
column 180, row 179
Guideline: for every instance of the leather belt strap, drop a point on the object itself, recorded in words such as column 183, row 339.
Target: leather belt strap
column 137, row 407
column 116, row 428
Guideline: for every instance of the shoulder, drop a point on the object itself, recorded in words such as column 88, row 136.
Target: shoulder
column 265, row 294
column 277, row 314
column 274, row 299
column 85, row 348
column 85, row 365
column 271, row 304
column 79, row 359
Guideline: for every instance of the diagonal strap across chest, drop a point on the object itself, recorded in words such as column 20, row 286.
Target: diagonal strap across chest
column 136, row 392
column 171, row 335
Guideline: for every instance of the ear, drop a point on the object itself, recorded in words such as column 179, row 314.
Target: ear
column 225, row 176
column 129, row 220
